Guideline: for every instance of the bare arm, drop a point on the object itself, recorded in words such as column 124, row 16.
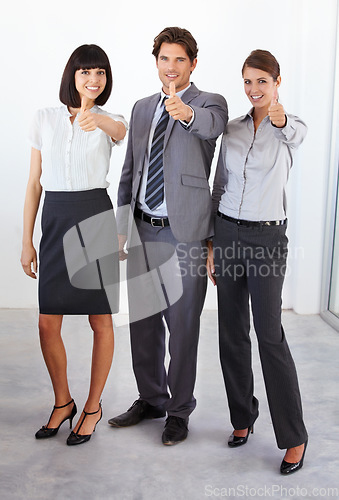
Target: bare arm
column 32, row 200
column 112, row 128
column 89, row 121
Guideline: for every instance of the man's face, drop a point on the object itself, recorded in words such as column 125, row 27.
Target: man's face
column 175, row 66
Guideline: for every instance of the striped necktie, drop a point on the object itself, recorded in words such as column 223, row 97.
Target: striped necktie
column 154, row 195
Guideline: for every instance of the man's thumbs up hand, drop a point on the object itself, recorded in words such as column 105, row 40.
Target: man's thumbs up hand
column 172, row 89
column 176, row 108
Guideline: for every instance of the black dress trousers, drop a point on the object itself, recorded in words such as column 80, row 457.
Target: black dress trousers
column 250, row 264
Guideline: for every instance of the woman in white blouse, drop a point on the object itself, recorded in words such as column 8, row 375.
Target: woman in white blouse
column 71, row 149
column 250, row 251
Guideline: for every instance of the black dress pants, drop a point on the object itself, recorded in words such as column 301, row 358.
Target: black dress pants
column 250, row 264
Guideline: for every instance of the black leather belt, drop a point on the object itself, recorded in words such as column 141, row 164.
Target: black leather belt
column 154, row 221
column 251, row 223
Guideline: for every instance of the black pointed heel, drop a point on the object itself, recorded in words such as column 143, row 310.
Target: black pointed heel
column 47, row 432
column 288, row 468
column 234, row 441
column 76, row 438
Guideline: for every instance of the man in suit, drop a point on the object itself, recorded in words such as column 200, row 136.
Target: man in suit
column 164, row 182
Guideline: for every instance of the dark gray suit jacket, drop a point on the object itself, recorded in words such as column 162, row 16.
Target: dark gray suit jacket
column 188, row 155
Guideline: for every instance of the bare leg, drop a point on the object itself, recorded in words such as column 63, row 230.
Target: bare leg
column 293, row 455
column 102, row 355
column 54, row 354
column 241, row 432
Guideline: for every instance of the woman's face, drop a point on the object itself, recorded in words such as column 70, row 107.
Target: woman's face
column 90, row 82
column 260, row 87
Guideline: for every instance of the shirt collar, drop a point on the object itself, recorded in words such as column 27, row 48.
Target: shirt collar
column 250, row 115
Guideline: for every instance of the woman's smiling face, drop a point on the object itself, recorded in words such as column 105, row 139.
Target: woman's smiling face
column 259, row 87
column 90, row 82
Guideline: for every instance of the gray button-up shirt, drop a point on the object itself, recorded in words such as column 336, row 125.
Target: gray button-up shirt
column 253, row 168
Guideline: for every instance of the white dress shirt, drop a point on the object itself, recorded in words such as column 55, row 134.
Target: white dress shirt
column 72, row 159
column 253, row 168
column 161, row 210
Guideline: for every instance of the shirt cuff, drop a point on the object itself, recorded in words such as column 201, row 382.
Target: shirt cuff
column 188, row 125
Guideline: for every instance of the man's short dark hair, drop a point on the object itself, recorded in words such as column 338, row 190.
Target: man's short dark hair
column 176, row 35
column 84, row 57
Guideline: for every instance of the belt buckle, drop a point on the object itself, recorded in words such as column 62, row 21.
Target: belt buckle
column 153, row 224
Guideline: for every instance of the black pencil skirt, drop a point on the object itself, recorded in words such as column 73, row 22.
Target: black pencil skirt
column 79, row 254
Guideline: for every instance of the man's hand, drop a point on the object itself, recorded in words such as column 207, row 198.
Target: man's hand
column 210, row 263
column 276, row 111
column 176, row 108
column 122, row 241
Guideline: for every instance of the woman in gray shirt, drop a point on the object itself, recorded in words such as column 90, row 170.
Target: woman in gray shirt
column 248, row 258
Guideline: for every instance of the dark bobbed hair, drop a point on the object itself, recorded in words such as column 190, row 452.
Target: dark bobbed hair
column 264, row 60
column 177, row 35
column 84, row 57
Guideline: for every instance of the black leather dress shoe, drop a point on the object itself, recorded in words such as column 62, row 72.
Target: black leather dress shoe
column 288, row 468
column 175, row 431
column 139, row 410
column 234, row 441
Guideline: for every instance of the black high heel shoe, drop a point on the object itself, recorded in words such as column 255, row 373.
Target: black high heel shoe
column 234, row 441
column 47, row 432
column 288, row 468
column 76, row 438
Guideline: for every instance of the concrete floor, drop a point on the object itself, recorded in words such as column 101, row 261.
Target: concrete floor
column 132, row 463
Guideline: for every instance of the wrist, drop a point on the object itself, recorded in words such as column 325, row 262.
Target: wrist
column 189, row 114
column 97, row 119
column 27, row 243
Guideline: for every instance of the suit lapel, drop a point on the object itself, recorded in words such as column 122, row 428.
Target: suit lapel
column 190, row 94
column 145, row 125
